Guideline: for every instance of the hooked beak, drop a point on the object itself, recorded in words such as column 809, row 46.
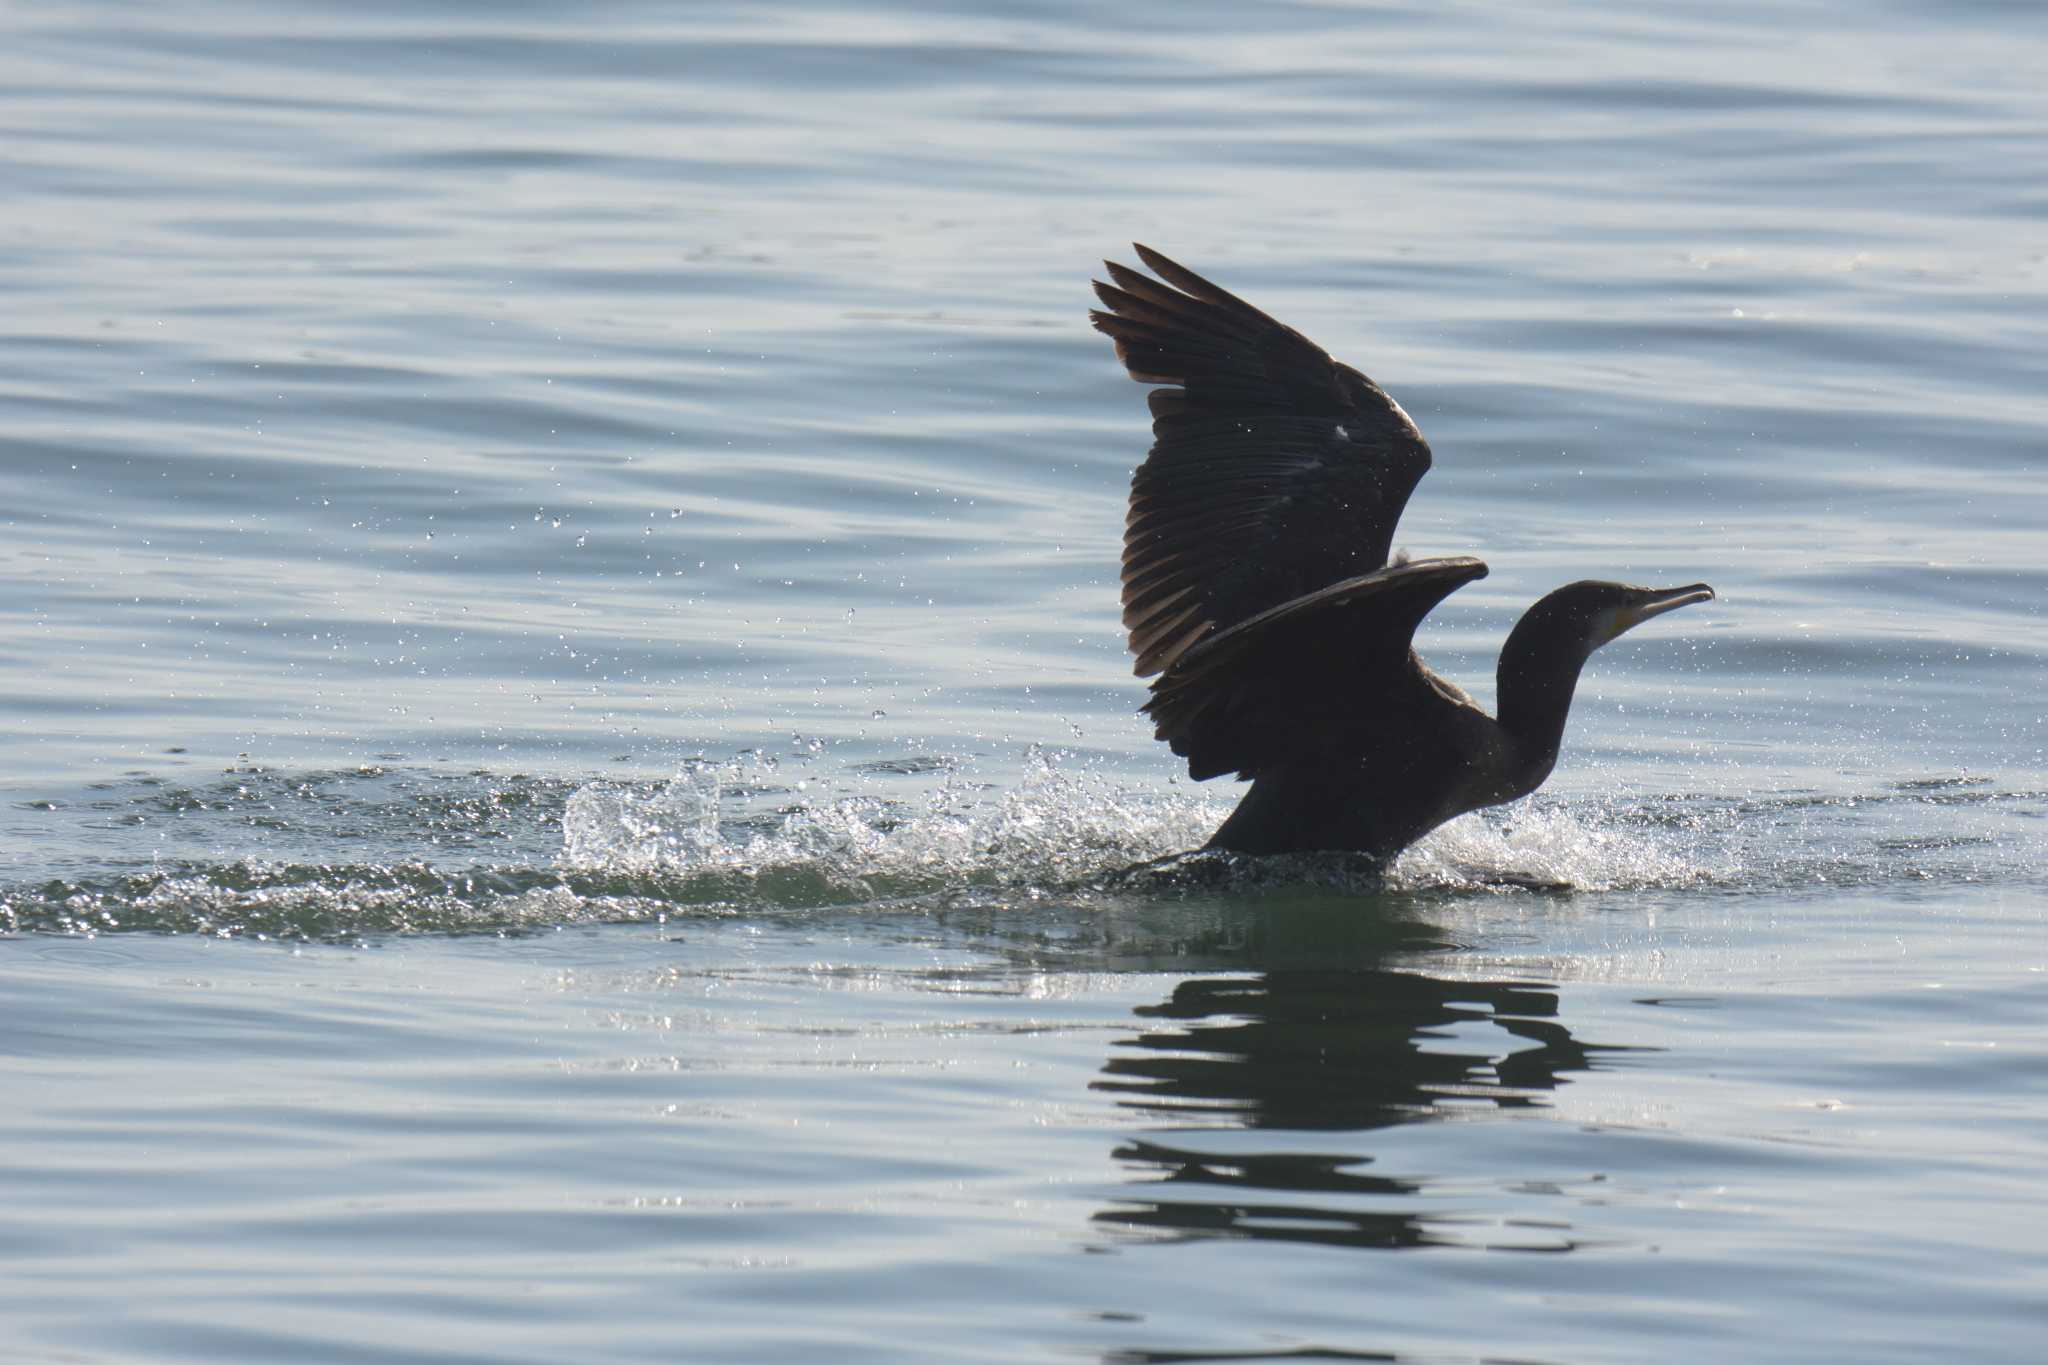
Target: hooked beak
column 1657, row 601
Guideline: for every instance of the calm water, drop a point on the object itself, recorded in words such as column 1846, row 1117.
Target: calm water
column 566, row 739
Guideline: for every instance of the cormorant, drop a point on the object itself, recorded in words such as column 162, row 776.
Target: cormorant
column 1256, row 586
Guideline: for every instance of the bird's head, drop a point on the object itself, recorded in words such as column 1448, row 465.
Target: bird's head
column 1589, row 614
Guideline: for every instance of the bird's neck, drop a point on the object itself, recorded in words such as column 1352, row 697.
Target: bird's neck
column 1533, row 690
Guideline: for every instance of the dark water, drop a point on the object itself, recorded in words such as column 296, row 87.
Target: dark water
column 566, row 739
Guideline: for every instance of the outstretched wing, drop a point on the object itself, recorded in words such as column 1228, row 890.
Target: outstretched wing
column 1275, row 471
column 1305, row 677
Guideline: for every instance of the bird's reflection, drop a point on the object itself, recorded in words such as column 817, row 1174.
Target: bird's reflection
column 1338, row 1049
column 1322, row 1050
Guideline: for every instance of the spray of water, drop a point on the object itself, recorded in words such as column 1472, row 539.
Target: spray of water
column 1059, row 829
column 424, row 852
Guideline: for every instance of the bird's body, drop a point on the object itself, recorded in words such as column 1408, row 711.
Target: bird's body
column 1257, row 587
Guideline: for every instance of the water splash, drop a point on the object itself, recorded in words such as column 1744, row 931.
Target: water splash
column 1554, row 847
column 1065, row 830
column 347, row 854
column 1057, row 828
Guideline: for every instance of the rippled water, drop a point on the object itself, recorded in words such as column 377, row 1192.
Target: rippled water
column 570, row 770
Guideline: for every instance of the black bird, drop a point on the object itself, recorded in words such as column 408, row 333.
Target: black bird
column 1256, row 586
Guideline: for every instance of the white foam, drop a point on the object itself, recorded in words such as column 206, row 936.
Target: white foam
column 1057, row 828
column 1548, row 846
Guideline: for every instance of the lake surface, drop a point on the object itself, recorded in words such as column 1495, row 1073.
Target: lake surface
column 567, row 748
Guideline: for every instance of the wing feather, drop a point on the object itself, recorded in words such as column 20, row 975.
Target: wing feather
column 1274, row 472
column 1294, row 680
